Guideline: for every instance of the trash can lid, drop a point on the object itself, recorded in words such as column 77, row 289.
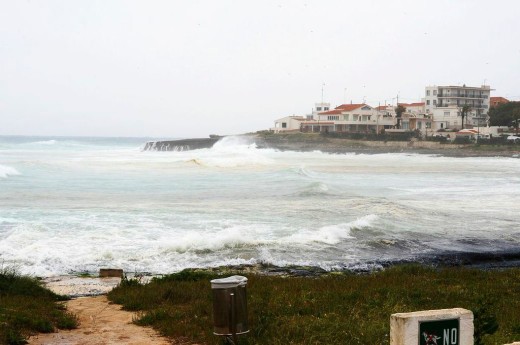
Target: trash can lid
column 229, row 282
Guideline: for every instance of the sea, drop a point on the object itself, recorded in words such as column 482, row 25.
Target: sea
column 70, row 205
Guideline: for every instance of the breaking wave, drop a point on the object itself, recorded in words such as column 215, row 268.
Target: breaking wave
column 230, row 152
column 45, row 142
column 6, row 171
column 332, row 234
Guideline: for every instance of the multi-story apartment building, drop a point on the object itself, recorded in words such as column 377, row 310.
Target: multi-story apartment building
column 444, row 103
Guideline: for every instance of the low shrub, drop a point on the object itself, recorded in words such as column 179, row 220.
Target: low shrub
column 462, row 140
column 370, row 136
column 26, row 307
column 439, row 139
column 331, row 309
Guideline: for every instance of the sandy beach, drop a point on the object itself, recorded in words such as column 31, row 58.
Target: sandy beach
column 100, row 321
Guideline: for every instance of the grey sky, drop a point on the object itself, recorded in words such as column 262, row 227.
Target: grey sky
column 192, row 68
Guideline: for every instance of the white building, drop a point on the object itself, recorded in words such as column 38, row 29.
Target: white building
column 288, row 124
column 320, row 107
column 293, row 123
column 444, row 103
column 349, row 118
column 414, row 108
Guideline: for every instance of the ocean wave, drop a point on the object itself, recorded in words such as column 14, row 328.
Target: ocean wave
column 229, row 152
column 305, row 172
column 332, row 234
column 230, row 236
column 6, row 171
column 45, row 142
column 234, row 142
column 314, row 189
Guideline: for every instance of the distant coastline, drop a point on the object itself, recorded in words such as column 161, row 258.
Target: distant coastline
column 305, row 142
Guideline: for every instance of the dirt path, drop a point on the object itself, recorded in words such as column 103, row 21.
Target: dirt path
column 101, row 323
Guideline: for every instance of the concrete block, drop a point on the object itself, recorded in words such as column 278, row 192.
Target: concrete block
column 111, row 272
column 405, row 327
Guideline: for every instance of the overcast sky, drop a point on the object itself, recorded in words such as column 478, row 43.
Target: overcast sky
column 192, row 68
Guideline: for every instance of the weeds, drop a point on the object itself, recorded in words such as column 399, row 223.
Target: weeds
column 332, row 309
column 26, row 308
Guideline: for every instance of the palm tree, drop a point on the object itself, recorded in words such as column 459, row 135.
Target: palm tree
column 464, row 112
column 399, row 110
column 516, row 119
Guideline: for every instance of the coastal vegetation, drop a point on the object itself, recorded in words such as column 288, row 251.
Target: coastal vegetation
column 464, row 111
column 399, row 111
column 332, row 308
column 334, row 142
column 26, row 308
column 507, row 114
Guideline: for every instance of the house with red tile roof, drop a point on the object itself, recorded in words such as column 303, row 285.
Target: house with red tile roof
column 348, row 118
column 414, row 108
column 495, row 101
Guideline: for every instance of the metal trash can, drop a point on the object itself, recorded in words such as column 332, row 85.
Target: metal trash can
column 229, row 306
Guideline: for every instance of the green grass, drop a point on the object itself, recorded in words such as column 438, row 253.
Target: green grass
column 332, row 309
column 27, row 308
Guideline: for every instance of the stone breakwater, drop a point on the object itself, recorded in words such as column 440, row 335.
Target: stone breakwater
column 180, row 145
column 311, row 142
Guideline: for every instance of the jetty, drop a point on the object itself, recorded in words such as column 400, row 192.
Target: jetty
column 181, row 145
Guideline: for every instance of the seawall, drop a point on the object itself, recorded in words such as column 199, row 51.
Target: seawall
column 180, row 145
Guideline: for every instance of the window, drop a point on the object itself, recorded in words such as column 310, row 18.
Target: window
column 325, row 108
column 284, row 124
column 345, row 117
column 318, row 108
column 419, row 125
column 428, row 102
column 427, row 92
column 428, row 125
column 434, row 92
column 442, row 125
column 406, row 125
column 333, row 117
column 434, row 102
column 446, row 113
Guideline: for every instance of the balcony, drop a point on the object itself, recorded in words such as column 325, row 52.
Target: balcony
column 473, row 106
column 460, row 95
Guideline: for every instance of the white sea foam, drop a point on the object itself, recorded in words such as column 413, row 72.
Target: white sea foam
column 230, row 152
column 83, row 205
column 332, row 234
column 45, row 142
column 6, row 171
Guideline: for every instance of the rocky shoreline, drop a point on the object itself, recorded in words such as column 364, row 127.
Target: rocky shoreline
column 307, row 142
column 74, row 286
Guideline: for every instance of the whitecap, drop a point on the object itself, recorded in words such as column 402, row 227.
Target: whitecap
column 45, row 142
column 6, row 171
column 332, row 234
